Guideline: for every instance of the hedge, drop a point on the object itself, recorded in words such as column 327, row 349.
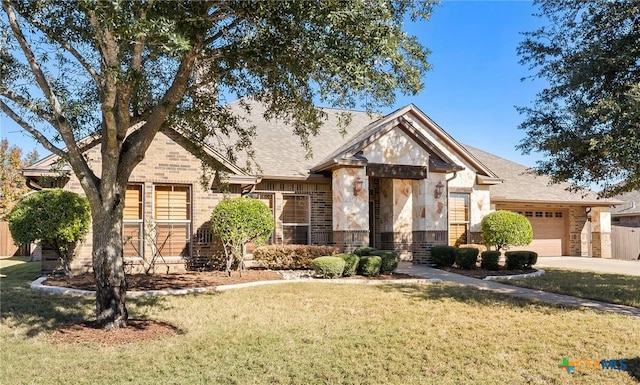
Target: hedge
column 369, row 265
column 443, row 255
column 466, row 257
column 389, row 260
column 489, row 259
column 328, row 267
column 292, row 257
column 520, row 260
column 351, row 264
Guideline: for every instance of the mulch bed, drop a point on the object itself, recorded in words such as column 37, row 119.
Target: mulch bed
column 136, row 331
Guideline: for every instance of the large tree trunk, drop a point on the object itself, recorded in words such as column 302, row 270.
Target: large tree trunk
column 108, row 269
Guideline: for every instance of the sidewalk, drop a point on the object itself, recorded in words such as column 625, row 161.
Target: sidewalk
column 431, row 273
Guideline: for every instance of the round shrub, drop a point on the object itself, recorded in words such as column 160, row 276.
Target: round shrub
column 364, row 251
column 369, row 265
column 389, row 260
column 350, row 264
column 489, row 259
column 329, row 266
column 443, row 255
column 466, row 257
column 503, row 228
column 519, row 260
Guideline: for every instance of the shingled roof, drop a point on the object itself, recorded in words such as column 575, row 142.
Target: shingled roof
column 630, row 207
column 521, row 185
column 278, row 151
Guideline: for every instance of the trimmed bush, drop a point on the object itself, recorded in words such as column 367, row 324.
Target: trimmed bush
column 369, row 265
column 389, row 260
column 466, row 257
column 489, row 259
column 328, row 267
column 519, row 260
column 503, row 228
column 364, row 251
column 291, row 257
column 350, row 264
column 443, row 255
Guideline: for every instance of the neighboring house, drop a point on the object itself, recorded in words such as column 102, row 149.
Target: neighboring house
column 625, row 229
column 394, row 182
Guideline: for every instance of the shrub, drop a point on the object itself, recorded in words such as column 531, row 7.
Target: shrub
column 489, row 259
column 369, row 265
column 443, row 255
column 389, row 260
column 350, row 264
column 56, row 217
column 519, row 260
column 238, row 221
column 328, row 267
column 291, row 256
column 503, row 228
column 364, row 251
column 467, row 257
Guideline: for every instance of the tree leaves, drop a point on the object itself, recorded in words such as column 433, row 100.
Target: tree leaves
column 586, row 121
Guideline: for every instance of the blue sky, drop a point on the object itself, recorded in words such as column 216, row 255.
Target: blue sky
column 475, row 81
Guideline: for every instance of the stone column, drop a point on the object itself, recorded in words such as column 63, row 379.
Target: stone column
column 350, row 190
column 601, row 232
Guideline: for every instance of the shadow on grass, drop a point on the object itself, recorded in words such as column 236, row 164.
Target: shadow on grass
column 42, row 312
column 469, row 295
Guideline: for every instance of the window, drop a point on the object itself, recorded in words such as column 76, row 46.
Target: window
column 132, row 223
column 172, row 213
column 295, row 219
column 458, row 218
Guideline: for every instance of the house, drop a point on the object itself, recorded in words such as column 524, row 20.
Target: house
column 393, row 182
column 625, row 226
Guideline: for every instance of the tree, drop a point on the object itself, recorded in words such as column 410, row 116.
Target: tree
column 120, row 71
column 587, row 119
column 55, row 217
column 12, row 186
column 502, row 229
column 238, row 221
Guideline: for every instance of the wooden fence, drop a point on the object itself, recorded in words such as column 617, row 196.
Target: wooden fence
column 625, row 242
column 7, row 248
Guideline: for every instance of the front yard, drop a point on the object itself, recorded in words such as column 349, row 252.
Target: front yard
column 612, row 288
column 317, row 334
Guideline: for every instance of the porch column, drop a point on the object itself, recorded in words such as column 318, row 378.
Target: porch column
column 350, row 189
column 601, row 232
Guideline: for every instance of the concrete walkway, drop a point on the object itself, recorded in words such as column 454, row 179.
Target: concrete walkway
column 600, row 265
column 495, row 287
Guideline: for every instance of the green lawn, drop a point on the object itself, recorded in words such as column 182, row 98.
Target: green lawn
column 301, row 333
column 612, row 288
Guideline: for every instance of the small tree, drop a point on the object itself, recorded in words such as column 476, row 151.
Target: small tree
column 56, row 217
column 502, row 229
column 11, row 180
column 237, row 221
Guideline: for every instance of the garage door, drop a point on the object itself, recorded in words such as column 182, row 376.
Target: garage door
column 549, row 231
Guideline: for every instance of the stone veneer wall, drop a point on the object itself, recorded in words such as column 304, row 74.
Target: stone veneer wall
column 422, row 243
column 578, row 231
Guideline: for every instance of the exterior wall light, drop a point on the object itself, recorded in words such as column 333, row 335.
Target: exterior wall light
column 438, row 192
column 357, row 185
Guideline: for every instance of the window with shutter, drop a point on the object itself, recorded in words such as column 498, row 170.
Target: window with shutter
column 458, row 218
column 132, row 223
column 172, row 214
column 295, row 219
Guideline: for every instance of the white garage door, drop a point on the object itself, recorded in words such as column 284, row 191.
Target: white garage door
column 549, row 231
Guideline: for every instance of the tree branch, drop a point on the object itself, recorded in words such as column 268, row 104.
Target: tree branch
column 65, row 44
column 31, row 130
column 28, row 104
column 60, row 123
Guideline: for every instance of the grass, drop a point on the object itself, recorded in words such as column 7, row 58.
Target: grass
column 317, row 334
column 612, row 288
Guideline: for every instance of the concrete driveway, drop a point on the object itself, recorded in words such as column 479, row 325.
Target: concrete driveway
column 599, row 265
